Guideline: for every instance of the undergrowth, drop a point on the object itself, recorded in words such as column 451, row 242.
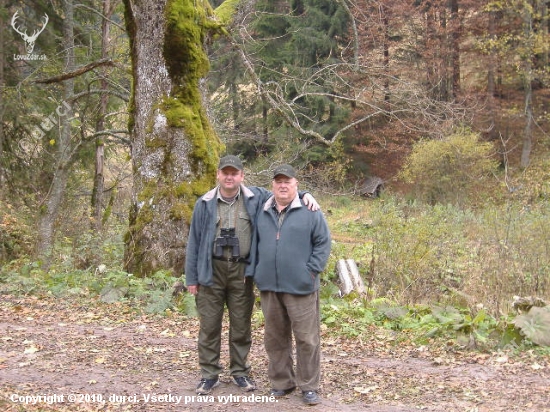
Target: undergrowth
column 431, row 272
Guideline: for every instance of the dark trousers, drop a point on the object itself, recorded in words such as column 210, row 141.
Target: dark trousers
column 230, row 288
column 287, row 315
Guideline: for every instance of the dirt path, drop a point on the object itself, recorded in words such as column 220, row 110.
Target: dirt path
column 108, row 358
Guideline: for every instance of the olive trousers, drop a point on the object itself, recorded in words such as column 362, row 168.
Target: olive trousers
column 230, row 288
column 287, row 315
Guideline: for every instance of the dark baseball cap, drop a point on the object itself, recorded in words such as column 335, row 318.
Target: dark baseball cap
column 285, row 170
column 231, row 161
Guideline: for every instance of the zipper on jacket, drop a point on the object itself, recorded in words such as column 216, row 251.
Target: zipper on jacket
column 280, row 217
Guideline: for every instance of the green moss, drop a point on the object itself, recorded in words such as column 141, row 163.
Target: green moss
column 153, row 142
column 180, row 211
column 225, row 11
column 187, row 24
column 189, row 115
column 140, row 220
column 148, row 191
column 176, row 112
column 183, row 189
column 187, row 193
column 109, row 208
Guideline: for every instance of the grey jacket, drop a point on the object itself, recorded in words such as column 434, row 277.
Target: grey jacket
column 198, row 259
column 290, row 258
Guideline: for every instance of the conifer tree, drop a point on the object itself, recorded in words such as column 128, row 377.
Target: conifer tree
column 291, row 50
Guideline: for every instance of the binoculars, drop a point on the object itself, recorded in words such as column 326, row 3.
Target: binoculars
column 227, row 238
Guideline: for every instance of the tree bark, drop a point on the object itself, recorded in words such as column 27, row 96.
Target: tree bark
column 386, row 52
column 2, row 59
column 455, row 47
column 528, row 90
column 174, row 149
column 63, row 153
column 430, row 44
column 99, row 179
column 491, row 75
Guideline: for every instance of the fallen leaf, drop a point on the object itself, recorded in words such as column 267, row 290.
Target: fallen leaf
column 362, row 389
column 439, row 361
column 31, row 349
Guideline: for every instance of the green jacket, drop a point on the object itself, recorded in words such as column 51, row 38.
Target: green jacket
column 290, row 258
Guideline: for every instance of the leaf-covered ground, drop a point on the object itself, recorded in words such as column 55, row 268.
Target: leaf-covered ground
column 66, row 355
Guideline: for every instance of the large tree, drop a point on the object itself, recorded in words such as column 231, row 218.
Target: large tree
column 174, row 149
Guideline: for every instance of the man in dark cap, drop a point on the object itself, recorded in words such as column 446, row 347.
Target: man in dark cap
column 293, row 249
column 220, row 248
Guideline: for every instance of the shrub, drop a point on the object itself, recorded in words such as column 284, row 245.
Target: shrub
column 15, row 234
column 452, row 170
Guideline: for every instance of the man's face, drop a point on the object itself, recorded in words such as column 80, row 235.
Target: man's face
column 285, row 189
column 230, row 179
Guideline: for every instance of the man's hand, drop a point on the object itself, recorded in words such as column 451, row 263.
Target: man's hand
column 193, row 289
column 310, row 202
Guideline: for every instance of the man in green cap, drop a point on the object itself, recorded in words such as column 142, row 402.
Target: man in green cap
column 220, row 248
column 293, row 249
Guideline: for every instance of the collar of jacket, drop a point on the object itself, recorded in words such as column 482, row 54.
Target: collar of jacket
column 295, row 203
column 212, row 193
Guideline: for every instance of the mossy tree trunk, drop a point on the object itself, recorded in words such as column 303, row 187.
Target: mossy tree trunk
column 174, row 149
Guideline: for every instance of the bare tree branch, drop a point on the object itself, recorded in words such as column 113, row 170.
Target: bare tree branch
column 115, row 134
column 114, row 23
column 79, row 71
column 122, row 96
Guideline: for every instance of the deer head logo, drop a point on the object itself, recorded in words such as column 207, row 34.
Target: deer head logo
column 29, row 40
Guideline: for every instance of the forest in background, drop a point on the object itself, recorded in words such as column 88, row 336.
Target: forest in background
column 447, row 102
